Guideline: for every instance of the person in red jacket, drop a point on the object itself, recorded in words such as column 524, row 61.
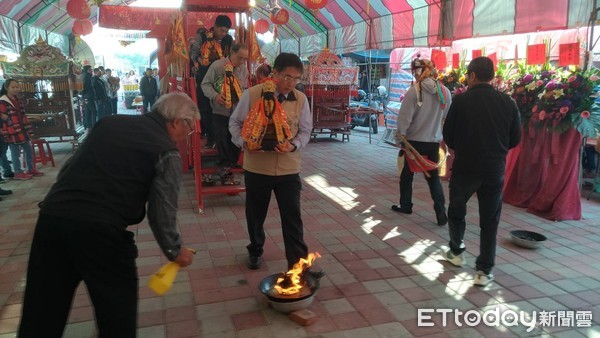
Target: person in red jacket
column 16, row 130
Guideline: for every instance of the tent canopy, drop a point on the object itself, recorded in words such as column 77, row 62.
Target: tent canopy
column 349, row 25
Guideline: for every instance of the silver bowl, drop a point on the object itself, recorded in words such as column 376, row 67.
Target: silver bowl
column 527, row 239
column 289, row 307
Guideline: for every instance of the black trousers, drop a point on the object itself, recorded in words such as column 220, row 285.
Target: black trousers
column 489, row 195
column 90, row 114
column 431, row 149
column 205, row 116
column 287, row 192
column 148, row 102
column 114, row 102
column 228, row 153
column 64, row 253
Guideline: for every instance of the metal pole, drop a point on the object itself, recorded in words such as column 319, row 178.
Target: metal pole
column 590, row 44
column 369, row 94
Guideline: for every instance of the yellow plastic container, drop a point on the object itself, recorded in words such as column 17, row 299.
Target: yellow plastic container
column 163, row 279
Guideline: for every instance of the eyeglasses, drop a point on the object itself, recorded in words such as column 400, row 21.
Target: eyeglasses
column 288, row 78
column 189, row 124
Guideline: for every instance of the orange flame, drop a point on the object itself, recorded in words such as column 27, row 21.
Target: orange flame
column 293, row 284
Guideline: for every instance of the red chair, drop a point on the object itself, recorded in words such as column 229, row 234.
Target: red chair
column 42, row 155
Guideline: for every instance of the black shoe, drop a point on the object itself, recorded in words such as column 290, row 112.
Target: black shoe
column 398, row 208
column 5, row 192
column 9, row 175
column 254, row 262
column 442, row 219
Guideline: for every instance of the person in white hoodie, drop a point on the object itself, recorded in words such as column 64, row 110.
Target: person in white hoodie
column 420, row 121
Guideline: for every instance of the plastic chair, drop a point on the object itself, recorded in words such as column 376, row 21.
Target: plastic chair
column 42, row 155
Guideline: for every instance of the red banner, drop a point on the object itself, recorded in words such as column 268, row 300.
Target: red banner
column 494, row 60
column 155, row 19
column 475, row 53
column 439, row 59
column 455, row 61
column 568, row 54
column 536, row 54
column 216, row 6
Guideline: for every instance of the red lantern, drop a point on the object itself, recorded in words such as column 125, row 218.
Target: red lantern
column 315, row 5
column 281, row 17
column 82, row 27
column 79, row 9
column 261, row 26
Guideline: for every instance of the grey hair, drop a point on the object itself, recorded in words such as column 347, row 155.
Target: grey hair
column 176, row 105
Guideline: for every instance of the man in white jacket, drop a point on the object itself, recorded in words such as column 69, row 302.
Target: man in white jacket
column 420, row 120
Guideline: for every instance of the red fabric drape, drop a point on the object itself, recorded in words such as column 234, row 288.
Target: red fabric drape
column 542, row 175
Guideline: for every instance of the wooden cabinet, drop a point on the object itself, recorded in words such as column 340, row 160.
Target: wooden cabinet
column 329, row 107
column 46, row 78
column 327, row 83
column 51, row 108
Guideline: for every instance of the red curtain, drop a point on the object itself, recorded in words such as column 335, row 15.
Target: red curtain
column 542, row 174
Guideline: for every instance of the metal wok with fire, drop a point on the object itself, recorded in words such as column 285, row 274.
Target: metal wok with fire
column 292, row 290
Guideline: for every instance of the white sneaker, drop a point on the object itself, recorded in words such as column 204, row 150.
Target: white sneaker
column 456, row 260
column 481, row 279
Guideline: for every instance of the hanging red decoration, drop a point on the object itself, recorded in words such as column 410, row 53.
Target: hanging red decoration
column 281, row 17
column 82, row 27
column 79, row 9
column 261, row 26
column 315, row 5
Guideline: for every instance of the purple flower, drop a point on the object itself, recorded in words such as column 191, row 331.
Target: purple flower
column 528, row 78
column 550, row 85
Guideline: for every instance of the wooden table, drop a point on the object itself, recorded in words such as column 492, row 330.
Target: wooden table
column 329, row 118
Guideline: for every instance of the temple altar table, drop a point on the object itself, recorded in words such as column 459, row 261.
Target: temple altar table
column 542, row 174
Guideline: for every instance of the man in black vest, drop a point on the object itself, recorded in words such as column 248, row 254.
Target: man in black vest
column 125, row 162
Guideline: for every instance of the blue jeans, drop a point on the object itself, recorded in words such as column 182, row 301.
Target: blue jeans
column 3, row 159
column 489, row 195
column 15, row 154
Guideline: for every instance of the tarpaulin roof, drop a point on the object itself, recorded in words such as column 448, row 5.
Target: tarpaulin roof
column 349, row 25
